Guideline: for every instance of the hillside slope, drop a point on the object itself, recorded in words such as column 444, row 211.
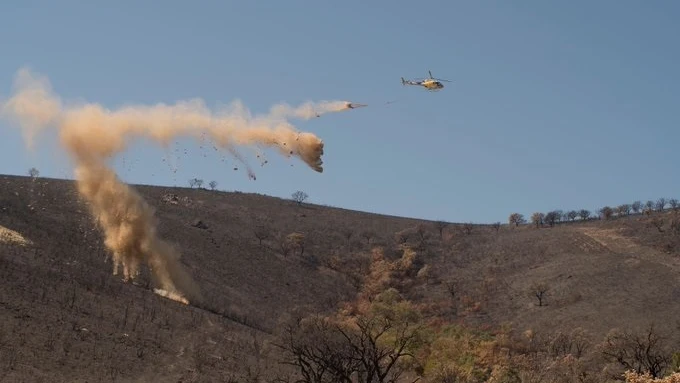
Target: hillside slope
column 64, row 317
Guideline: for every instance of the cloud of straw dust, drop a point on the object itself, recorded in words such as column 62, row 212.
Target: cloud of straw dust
column 93, row 134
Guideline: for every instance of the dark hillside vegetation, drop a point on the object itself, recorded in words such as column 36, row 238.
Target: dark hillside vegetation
column 289, row 284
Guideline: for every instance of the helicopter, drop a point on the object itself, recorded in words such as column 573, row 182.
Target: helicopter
column 430, row 83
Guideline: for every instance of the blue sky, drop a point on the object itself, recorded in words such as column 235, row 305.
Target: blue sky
column 553, row 105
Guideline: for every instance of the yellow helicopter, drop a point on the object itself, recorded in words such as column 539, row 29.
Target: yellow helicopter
column 430, row 83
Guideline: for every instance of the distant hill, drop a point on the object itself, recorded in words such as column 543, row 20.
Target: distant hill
column 65, row 317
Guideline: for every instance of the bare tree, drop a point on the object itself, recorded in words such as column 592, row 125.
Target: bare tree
column 660, row 204
column 318, row 351
column 580, row 341
column 496, row 226
column 452, row 288
column 423, row 236
column 537, row 219
column 299, row 197
column 367, row 235
column 572, row 214
column 195, row 182
column 584, row 214
column 539, row 290
column 441, row 225
column 401, row 237
column 33, row 172
column 560, row 345
column 552, row 217
column 516, row 219
column 261, row 232
column 673, row 203
column 284, row 244
column 380, row 360
column 649, row 207
column 623, row 210
column 636, row 206
column 326, row 351
column 606, row 212
column 644, row 353
column 347, row 234
column 574, row 343
column 213, row 185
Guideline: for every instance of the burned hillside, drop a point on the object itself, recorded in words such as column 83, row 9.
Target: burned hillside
column 261, row 262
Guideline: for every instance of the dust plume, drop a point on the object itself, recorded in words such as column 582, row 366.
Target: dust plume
column 309, row 109
column 92, row 135
column 33, row 103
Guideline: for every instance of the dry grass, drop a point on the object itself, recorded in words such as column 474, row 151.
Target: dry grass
column 11, row 237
